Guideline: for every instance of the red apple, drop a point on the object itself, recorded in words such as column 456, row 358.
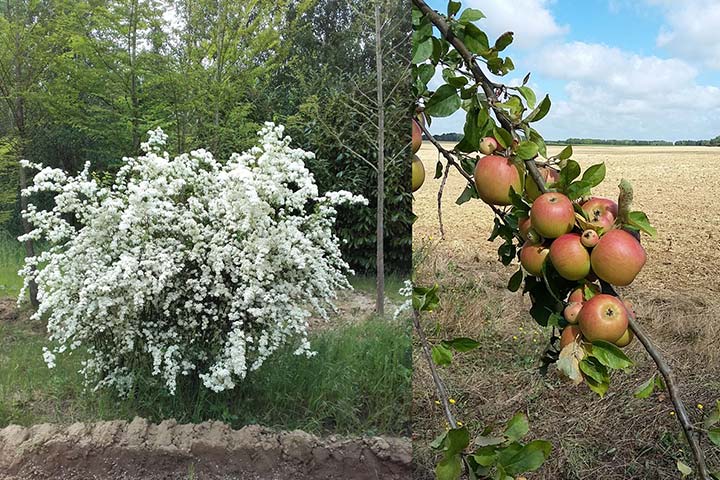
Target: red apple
column 548, row 174
column 552, row 215
column 494, row 175
column 569, row 257
column 590, row 238
column 578, row 295
column 532, row 258
column 416, row 136
column 569, row 334
column 618, row 258
column 488, row 145
column 601, row 211
column 603, row 317
column 524, row 227
column 571, row 312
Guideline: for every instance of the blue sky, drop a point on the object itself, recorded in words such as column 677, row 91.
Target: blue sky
column 642, row 69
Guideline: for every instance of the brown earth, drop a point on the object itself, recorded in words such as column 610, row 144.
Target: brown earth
column 210, row 450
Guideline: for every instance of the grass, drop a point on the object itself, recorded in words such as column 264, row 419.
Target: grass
column 613, row 438
column 11, row 260
column 358, row 383
column 393, row 283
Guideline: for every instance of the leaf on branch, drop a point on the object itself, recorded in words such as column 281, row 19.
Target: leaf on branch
column 503, row 137
column 515, row 281
column 461, row 344
column 526, row 150
column 565, row 153
column 444, row 102
column 517, row 427
column 441, row 355
column 503, row 41
column 528, row 95
column 540, row 111
column 438, row 169
column 425, row 299
column 647, row 388
column 471, row 15
column 640, row 221
column 569, row 362
column 449, row 468
column 610, row 355
column 594, row 175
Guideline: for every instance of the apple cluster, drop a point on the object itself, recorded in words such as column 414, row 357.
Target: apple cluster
column 583, row 241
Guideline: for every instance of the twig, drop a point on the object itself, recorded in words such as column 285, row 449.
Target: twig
column 439, row 385
column 439, row 200
column 489, row 89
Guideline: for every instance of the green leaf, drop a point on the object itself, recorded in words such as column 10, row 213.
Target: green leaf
column 449, row 468
column 526, row 459
column 540, row 111
column 517, row 427
column 421, row 51
column 515, row 281
column 475, row 39
column 594, row 175
column 592, row 368
column 503, row 41
column 610, row 355
column 461, row 344
column 444, row 102
column 471, row 15
column 438, row 169
column 485, row 441
column 471, row 132
column 526, row 150
column 425, row 72
column 425, row 299
column 565, row 153
column 600, row 388
column 441, row 355
column 577, row 189
column 528, row 95
column 503, row 137
column 456, row 441
column 439, row 441
column 646, row 389
column 713, row 418
column 641, row 222
column 684, row 469
column 568, row 173
column 467, row 194
column 714, row 436
column 486, row 455
column 453, row 8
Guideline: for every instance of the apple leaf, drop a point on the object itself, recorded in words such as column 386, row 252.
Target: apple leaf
column 578, row 189
column 588, row 292
column 610, row 355
column 540, row 111
column 485, row 441
column 600, row 388
column 471, row 15
column 713, row 418
column 449, row 468
column 441, row 355
column 461, row 344
column 425, row 72
column 646, row 389
column 714, row 436
column 470, row 141
column 527, row 458
column 515, row 281
column 438, row 442
column 568, row 173
column 592, row 368
column 640, row 221
column 517, row 427
column 421, row 51
column 565, row 153
column 528, row 95
column 503, row 137
column 467, row 194
column 594, row 175
column 526, row 150
column 444, row 102
column 453, row 8
column 425, row 299
column 684, row 469
column 456, row 441
column 503, row 41
column 438, row 169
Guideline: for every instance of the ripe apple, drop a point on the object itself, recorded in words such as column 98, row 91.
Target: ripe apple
column 488, row 145
column 494, row 175
column 618, row 258
column 601, row 211
column 578, row 295
column 569, row 334
column 603, row 317
column 416, row 136
column 569, row 257
column 418, row 173
column 590, row 238
column 524, row 227
column 552, row 215
column 548, row 174
column 532, row 258
column 571, row 312
column 626, row 338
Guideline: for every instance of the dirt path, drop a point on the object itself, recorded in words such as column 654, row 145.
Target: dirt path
column 139, row 450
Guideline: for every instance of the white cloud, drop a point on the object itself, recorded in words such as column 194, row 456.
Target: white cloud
column 691, row 30
column 530, row 20
column 612, row 93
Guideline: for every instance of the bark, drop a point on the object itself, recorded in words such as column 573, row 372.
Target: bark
column 380, row 230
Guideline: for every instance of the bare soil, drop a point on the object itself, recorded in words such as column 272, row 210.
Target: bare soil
column 211, row 450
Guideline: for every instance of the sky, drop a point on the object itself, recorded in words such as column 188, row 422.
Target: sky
column 614, row 69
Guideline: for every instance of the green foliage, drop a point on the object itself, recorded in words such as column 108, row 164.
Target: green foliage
column 358, row 383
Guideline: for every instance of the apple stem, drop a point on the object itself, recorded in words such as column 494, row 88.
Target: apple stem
column 439, row 385
column 689, row 430
column 439, row 200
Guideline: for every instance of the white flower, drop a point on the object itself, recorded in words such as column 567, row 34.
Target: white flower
column 191, row 265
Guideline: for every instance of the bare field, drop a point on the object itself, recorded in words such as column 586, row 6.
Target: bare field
column 614, row 438
column 676, row 186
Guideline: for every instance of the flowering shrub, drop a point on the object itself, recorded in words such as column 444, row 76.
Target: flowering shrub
column 189, row 265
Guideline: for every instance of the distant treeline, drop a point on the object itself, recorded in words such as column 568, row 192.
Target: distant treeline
column 455, row 137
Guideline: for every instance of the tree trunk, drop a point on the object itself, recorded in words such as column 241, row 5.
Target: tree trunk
column 380, row 231
column 29, row 245
column 135, row 102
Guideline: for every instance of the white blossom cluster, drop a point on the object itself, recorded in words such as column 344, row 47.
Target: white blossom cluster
column 406, row 291
column 188, row 264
